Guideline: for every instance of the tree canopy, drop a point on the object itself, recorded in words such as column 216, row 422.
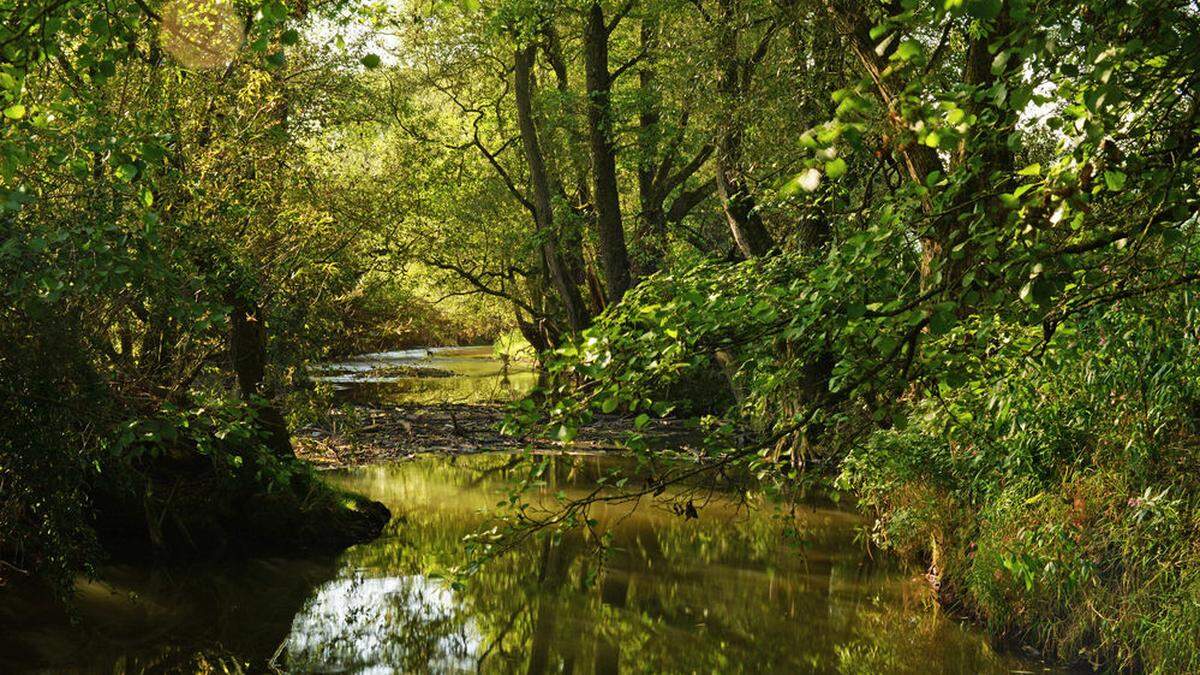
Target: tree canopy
column 940, row 255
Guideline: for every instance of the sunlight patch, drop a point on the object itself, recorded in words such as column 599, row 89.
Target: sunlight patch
column 201, row 34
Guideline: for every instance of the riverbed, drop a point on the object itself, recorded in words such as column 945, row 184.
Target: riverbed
column 731, row 582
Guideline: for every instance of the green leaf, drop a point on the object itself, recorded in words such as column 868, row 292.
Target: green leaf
column 289, row 37
column 941, row 322
column 371, row 61
column 127, row 172
column 806, row 181
column 609, row 405
column 836, row 168
column 907, row 50
column 1114, row 180
column 984, row 9
column 15, row 111
column 1031, row 170
column 1026, row 293
column 1038, row 290
column 1000, row 61
column 641, row 421
column 565, row 433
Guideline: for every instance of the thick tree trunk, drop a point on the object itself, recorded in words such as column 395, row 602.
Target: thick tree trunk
column 614, row 257
column 571, row 240
column 543, row 209
column 749, row 232
column 995, row 157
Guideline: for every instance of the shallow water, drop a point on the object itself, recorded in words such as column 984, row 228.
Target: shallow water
column 477, row 376
column 741, row 588
column 731, row 591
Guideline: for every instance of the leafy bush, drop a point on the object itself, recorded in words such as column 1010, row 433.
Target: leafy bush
column 1072, row 476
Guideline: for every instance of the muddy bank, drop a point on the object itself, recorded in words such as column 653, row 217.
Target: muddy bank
column 370, row 434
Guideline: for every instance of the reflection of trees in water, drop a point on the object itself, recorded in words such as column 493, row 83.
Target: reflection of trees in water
column 361, row 623
column 432, row 390
column 715, row 594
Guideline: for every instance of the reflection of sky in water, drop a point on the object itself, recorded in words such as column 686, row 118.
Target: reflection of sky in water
column 477, row 376
column 359, row 368
column 382, row 625
column 462, row 360
column 718, row 594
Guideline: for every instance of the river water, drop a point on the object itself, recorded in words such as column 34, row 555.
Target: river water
column 388, row 378
column 743, row 587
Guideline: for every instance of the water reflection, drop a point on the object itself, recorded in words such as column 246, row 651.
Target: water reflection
column 717, row 594
column 730, row 591
column 384, row 624
column 433, row 375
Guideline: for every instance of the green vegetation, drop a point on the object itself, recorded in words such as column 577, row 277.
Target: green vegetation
column 938, row 256
column 149, row 233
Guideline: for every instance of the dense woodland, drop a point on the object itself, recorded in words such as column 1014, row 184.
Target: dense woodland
column 936, row 257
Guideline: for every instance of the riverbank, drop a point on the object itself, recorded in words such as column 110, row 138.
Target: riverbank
column 364, row 434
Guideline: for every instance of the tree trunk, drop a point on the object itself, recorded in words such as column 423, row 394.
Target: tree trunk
column 614, row 257
column 918, row 160
column 652, row 222
column 543, row 209
column 571, row 238
column 749, row 232
column 248, row 352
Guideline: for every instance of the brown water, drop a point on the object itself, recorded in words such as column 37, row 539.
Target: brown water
column 731, row 591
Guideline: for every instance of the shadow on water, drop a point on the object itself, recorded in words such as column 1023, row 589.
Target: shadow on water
column 736, row 590
column 731, row 591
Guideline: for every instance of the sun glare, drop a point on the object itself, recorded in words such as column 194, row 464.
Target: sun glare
column 201, row 34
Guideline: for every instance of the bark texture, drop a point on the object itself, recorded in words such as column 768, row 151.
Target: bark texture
column 552, row 259
column 614, row 257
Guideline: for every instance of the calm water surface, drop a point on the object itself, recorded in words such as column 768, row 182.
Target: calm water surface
column 714, row 594
column 736, row 590
column 385, row 378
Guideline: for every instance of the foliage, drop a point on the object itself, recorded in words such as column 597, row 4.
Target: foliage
column 147, row 200
column 987, row 343
column 942, row 253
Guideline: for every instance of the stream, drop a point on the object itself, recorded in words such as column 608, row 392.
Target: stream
column 742, row 587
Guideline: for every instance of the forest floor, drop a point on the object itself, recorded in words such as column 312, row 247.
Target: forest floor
column 369, row 434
